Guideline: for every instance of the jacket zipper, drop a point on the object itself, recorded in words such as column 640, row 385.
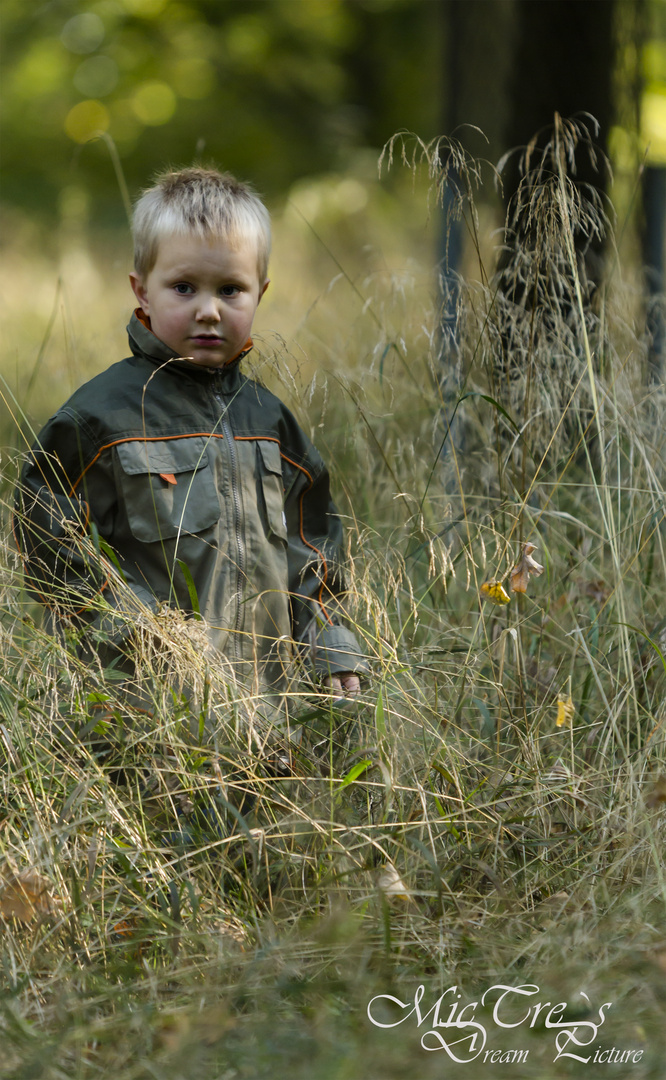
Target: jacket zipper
column 238, row 517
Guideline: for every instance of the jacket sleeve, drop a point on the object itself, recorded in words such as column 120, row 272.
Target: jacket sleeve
column 316, row 568
column 61, row 512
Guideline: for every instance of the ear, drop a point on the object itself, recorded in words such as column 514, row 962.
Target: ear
column 139, row 290
column 266, row 284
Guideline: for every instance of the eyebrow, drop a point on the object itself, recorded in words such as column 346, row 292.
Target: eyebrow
column 190, row 271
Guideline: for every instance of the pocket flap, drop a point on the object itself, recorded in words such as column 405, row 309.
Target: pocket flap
column 270, row 455
column 167, row 488
column 271, row 483
column 163, row 455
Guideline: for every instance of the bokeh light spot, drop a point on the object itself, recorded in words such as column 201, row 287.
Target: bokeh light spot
column 247, row 39
column 85, row 120
column 40, row 72
column 653, row 124
column 154, row 103
column 83, row 33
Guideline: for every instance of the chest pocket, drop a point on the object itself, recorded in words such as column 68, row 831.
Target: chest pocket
column 270, row 471
column 168, row 487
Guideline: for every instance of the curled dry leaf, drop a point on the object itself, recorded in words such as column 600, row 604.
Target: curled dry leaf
column 525, row 568
column 25, row 896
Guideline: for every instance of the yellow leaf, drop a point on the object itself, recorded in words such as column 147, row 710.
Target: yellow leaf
column 525, row 568
column 495, row 592
column 565, row 712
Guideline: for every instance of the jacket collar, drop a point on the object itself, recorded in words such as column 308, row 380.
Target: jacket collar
column 145, row 345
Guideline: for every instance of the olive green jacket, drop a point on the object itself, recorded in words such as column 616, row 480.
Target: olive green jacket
column 210, row 499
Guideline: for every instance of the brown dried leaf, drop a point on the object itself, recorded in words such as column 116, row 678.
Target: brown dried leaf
column 25, row 896
column 525, row 568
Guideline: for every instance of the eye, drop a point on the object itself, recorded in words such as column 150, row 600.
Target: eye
column 182, row 288
column 229, row 290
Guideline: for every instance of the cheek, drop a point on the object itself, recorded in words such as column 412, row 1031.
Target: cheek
column 164, row 327
column 246, row 317
column 170, row 317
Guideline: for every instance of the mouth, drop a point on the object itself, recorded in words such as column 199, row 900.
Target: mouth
column 206, row 339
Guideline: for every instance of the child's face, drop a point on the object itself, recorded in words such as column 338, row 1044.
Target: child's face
column 201, row 296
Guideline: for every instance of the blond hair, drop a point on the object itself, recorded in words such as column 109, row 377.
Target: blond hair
column 204, row 202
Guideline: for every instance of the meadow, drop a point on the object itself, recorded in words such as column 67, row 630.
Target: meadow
column 487, row 820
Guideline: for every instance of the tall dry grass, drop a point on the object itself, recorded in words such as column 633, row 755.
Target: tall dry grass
column 193, row 895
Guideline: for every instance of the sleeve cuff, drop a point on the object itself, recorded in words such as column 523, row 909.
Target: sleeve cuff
column 336, row 650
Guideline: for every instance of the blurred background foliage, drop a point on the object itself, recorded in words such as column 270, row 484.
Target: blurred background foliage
column 278, row 90
column 272, row 89
column 298, row 97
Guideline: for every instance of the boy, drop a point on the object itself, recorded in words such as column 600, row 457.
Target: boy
column 199, row 480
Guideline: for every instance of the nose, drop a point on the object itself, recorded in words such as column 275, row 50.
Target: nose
column 208, row 310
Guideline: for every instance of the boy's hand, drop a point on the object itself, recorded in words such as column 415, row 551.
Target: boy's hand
column 345, row 683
